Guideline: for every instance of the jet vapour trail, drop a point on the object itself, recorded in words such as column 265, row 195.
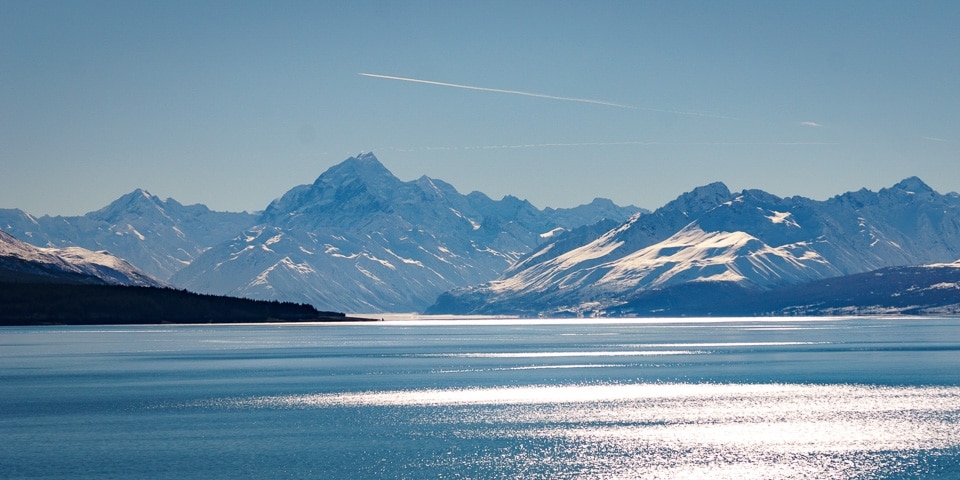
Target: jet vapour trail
column 604, row 144
column 498, row 90
column 540, row 95
column 649, row 144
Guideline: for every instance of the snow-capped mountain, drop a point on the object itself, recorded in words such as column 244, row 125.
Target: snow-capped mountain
column 20, row 260
column 753, row 240
column 158, row 236
column 358, row 239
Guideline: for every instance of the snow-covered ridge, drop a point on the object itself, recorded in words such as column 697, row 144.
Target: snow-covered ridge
column 693, row 255
column 103, row 265
column 159, row 236
column 751, row 239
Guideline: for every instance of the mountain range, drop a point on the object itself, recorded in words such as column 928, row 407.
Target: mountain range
column 357, row 239
column 159, row 236
column 710, row 245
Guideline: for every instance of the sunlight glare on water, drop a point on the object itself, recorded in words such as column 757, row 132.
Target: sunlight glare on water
column 684, row 430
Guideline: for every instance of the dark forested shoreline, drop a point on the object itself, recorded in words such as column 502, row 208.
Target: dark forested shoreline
column 73, row 304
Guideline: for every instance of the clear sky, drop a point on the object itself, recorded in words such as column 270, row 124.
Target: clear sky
column 231, row 103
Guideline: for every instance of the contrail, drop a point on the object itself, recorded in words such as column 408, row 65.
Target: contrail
column 604, row 144
column 540, row 95
column 498, row 90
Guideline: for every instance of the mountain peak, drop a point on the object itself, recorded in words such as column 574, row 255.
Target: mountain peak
column 138, row 194
column 364, row 166
column 364, row 161
column 701, row 199
column 913, row 185
column 357, row 184
column 137, row 202
column 367, row 156
column 602, row 203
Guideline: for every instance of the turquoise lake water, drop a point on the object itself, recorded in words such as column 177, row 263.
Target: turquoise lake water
column 688, row 398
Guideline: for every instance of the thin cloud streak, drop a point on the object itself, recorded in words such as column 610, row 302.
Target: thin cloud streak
column 811, row 124
column 541, row 95
column 936, row 139
column 604, row 144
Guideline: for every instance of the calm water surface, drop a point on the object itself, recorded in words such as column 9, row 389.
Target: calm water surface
column 757, row 398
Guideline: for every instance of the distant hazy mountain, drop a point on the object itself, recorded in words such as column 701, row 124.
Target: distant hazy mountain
column 358, row 239
column 158, row 236
column 710, row 242
column 22, row 262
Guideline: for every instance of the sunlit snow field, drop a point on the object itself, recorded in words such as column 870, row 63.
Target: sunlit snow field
column 485, row 398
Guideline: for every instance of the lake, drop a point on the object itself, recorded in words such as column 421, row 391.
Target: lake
column 834, row 398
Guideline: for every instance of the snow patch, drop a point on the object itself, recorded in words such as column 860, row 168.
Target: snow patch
column 408, row 261
column 552, row 233
column 447, row 252
column 473, row 223
column 385, row 263
column 438, row 257
column 274, row 239
column 940, row 265
column 136, row 233
column 784, row 218
column 725, row 276
column 300, row 269
column 236, row 255
column 369, row 275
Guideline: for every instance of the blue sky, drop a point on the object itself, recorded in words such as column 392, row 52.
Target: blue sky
column 232, row 103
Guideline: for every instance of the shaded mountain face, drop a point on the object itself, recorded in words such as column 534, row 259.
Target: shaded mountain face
column 359, row 239
column 158, row 236
column 713, row 237
column 21, row 262
column 912, row 290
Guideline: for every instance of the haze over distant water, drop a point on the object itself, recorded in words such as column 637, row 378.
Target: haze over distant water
column 557, row 104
